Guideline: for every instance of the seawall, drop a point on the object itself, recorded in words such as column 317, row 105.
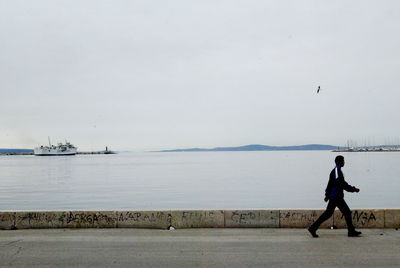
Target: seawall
column 162, row 219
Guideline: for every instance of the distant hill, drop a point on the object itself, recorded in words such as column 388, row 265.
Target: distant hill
column 3, row 150
column 259, row 147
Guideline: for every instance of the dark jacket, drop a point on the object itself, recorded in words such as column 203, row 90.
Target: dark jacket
column 337, row 185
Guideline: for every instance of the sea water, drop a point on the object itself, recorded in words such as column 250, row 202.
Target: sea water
column 194, row 180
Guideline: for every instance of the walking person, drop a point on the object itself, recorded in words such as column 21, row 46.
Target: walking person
column 334, row 194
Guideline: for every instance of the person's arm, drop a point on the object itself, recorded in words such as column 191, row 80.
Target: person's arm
column 347, row 187
column 329, row 187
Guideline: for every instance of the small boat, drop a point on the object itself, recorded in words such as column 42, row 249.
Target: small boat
column 59, row 149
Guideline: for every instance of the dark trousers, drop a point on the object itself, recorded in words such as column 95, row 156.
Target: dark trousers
column 343, row 207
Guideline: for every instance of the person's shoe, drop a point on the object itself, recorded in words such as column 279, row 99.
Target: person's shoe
column 312, row 232
column 354, row 233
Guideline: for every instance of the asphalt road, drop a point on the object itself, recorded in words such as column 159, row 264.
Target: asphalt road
column 198, row 248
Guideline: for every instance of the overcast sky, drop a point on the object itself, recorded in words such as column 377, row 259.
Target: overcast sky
column 146, row 75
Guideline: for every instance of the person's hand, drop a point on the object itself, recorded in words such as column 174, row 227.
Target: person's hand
column 357, row 190
column 326, row 199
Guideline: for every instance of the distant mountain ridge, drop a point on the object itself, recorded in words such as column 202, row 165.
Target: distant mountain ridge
column 6, row 150
column 259, row 147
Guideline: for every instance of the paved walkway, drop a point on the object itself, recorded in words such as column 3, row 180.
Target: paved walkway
column 198, row 248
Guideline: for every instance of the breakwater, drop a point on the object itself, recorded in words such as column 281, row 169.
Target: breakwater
column 163, row 219
column 31, row 153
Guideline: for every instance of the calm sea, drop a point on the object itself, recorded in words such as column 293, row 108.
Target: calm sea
column 194, row 180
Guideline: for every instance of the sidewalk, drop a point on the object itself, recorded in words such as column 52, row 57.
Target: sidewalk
column 198, row 248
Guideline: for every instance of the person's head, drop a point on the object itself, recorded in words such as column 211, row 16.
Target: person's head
column 339, row 160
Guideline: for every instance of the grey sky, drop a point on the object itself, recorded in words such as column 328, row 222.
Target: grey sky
column 170, row 74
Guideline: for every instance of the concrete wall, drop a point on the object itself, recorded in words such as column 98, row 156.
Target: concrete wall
column 362, row 218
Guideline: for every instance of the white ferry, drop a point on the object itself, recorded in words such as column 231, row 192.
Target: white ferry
column 60, row 149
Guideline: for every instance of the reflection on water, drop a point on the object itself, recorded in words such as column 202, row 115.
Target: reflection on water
column 212, row 180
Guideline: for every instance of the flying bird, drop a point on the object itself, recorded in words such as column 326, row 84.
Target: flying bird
column 319, row 88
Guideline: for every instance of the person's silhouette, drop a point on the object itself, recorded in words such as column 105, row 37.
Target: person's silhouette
column 334, row 193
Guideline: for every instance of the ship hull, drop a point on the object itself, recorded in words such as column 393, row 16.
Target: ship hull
column 53, row 152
